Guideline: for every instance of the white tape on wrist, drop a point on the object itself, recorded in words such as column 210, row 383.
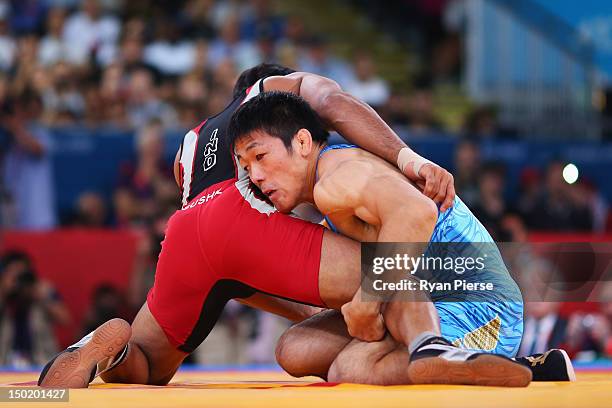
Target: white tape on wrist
column 407, row 156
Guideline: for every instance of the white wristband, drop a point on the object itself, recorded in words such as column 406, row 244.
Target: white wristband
column 407, row 156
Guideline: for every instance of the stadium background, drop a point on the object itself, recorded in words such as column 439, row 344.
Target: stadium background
column 95, row 96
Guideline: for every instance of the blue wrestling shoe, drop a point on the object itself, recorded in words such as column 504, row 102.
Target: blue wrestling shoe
column 96, row 353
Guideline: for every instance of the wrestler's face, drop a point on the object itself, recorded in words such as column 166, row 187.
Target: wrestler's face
column 279, row 172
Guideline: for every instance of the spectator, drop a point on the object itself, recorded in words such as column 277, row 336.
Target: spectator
column 63, row 100
column 24, row 69
column 151, row 181
column 556, row 209
column 131, row 53
column 261, row 20
column 544, row 329
column 366, row 85
column 197, row 19
column 606, row 310
column 143, row 103
column 149, row 248
column 395, row 111
column 91, row 211
column 52, row 47
column 513, row 228
column 588, row 200
column 27, row 172
column 590, row 334
column 491, row 206
column 295, row 32
column 481, row 124
column 169, row 53
column 192, row 96
column 107, row 303
column 223, row 11
column 111, row 94
column 530, row 185
column 29, row 307
column 467, row 167
column 289, row 48
column 27, row 16
column 229, row 47
column 317, row 59
column 421, row 118
column 127, row 211
column 89, row 33
column 8, row 48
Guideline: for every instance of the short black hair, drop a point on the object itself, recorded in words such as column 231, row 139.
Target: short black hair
column 249, row 76
column 281, row 114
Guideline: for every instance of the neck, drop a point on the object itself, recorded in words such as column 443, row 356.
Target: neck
column 311, row 174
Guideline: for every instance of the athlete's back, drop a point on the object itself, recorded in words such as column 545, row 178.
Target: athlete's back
column 205, row 155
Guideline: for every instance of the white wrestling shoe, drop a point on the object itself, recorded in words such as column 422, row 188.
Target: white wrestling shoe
column 96, row 353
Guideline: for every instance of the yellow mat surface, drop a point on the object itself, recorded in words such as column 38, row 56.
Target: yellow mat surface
column 275, row 389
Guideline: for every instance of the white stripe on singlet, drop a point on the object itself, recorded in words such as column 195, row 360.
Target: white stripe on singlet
column 190, row 144
column 243, row 186
column 253, row 92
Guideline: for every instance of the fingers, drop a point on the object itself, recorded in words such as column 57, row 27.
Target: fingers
column 370, row 330
column 439, row 185
column 432, row 180
column 450, row 195
column 440, row 195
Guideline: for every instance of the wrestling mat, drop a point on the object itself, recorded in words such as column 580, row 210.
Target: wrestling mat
column 268, row 387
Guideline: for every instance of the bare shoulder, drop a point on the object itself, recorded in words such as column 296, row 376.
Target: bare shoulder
column 343, row 185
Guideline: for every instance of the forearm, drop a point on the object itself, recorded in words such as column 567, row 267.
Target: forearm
column 353, row 119
column 295, row 312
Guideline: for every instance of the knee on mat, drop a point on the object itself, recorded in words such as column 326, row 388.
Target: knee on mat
column 292, row 354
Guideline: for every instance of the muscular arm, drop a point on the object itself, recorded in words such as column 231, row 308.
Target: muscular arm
column 380, row 198
column 361, row 125
column 296, row 312
column 342, row 112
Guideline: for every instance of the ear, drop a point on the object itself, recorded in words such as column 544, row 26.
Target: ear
column 302, row 142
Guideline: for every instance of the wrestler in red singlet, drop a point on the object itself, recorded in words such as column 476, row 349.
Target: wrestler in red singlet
column 225, row 223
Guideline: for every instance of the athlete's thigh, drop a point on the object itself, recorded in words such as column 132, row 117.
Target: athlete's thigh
column 310, row 347
column 163, row 358
column 281, row 255
column 284, row 256
column 339, row 270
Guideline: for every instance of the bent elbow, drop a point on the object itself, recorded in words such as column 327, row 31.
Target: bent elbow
column 422, row 216
column 332, row 101
column 428, row 214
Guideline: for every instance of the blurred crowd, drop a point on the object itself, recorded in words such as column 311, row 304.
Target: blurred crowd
column 151, row 66
column 120, row 63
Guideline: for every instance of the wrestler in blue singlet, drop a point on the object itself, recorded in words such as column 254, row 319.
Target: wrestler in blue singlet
column 491, row 322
